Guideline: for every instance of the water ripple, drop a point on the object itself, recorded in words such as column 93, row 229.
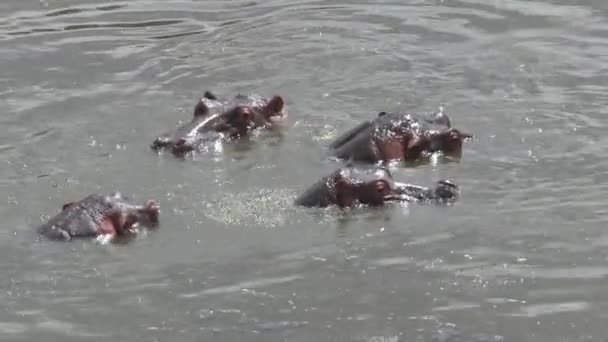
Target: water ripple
column 553, row 308
column 252, row 284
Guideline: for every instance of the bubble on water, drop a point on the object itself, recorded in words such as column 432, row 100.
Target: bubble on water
column 262, row 207
column 326, row 132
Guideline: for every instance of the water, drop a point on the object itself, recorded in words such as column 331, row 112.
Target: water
column 86, row 86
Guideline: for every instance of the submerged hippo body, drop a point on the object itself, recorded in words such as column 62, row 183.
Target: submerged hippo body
column 349, row 186
column 230, row 119
column 399, row 136
column 97, row 215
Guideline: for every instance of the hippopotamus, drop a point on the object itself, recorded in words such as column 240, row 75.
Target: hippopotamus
column 230, row 119
column 399, row 136
column 99, row 215
column 375, row 186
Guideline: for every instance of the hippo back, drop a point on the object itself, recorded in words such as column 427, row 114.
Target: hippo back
column 79, row 219
column 318, row 195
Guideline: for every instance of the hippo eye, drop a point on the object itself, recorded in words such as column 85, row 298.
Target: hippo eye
column 380, row 187
column 246, row 114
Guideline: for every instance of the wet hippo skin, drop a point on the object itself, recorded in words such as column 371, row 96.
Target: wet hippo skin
column 399, row 136
column 97, row 215
column 231, row 119
column 374, row 186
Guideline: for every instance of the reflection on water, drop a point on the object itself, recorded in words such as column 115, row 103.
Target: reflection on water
column 87, row 85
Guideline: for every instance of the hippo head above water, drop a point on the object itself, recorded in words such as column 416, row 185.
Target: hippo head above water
column 100, row 215
column 399, row 136
column 230, row 119
column 349, row 186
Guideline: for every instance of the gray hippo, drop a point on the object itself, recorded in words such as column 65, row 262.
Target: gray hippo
column 97, row 215
column 374, row 186
column 399, row 136
column 231, row 119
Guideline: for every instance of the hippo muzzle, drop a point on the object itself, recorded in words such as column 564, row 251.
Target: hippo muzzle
column 444, row 191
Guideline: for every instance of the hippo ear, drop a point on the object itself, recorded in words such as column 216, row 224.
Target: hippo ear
column 201, row 109
column 209, row 95
column 275, row 105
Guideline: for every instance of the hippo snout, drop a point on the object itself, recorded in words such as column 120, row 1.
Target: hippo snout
column 149, row 213
column 182, row 146
column 160, row 142
column 446, row 190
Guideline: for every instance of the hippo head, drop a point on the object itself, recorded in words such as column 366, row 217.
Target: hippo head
column 235, row 122
column 241, row 119
column 349, row 186
column 128, row 217
column 445, row 191
column 187, row 137
column 369, row 186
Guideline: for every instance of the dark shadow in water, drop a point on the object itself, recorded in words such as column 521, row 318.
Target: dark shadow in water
column 272, row 137
column 110, row 7
column 77, row 27
column 68, row 11
column 367, row 213
column 36, row 30
column 230, row 22
column 150, row 23
column 181, row 34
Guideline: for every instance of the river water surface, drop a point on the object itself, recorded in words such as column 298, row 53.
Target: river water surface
column 85, row 86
